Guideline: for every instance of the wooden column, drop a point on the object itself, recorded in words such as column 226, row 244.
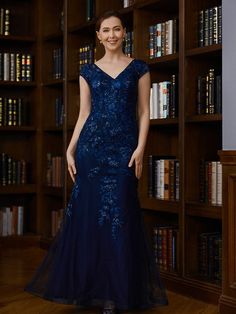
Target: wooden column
column 227, row 303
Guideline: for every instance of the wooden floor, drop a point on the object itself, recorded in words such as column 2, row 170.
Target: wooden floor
column 17, row 267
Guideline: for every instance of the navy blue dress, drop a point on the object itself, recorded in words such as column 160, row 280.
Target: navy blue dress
column 101, row 251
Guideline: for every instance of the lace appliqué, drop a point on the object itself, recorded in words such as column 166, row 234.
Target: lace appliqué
column 74, row 194
column 109, row 211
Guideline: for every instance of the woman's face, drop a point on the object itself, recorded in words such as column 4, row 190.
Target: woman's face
column 111, row 33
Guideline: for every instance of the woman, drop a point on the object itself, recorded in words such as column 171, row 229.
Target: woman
column 100, row 255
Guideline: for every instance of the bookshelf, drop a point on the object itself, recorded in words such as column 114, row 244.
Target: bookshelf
column 52, row 41
column 189, row 137
column 19, row 134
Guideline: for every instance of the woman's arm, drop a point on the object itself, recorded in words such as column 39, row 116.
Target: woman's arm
column 85, row 108
column 144, row 86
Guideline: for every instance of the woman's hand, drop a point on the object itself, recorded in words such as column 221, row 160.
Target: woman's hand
column 137, row 157
column 71, row 164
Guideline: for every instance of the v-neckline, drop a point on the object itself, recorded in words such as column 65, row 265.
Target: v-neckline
column 114, row 78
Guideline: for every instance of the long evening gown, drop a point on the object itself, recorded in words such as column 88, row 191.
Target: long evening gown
column 101, row 251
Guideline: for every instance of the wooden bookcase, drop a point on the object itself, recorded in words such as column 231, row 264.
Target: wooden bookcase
column 23, row 142
column 189, row 137
column 51, row 38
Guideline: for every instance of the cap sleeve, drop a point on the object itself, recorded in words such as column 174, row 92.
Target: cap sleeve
column 142, row 68
column 84, row 72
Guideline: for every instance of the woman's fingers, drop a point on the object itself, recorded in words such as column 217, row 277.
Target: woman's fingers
column 131, row 161
column 71, row 172
column 138, row 169
column 73, row 168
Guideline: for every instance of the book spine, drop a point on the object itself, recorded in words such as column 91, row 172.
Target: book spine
column 218, row 94
column 6, row 66
column 220, row 24
column 213, row 183
column 210, row 29
column 20, row 225
column 1, row 66
column 207, row 95
column 206, row 27
column 201, row 29
column 215, row 25
column 1, row 111
column 151, row 41
column 7, row 22
column 12, row 67
column 2, row 21
column 211, row 91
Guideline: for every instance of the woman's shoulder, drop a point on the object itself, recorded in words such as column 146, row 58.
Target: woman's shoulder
column 85, row 66
column 141, row 67
column 85, row 71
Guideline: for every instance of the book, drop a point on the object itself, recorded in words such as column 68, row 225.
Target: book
column 164, row 99
column 163, row 38
column 210, row 26
column 163, row 178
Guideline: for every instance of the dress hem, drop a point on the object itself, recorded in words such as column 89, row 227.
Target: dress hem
column 95, row 302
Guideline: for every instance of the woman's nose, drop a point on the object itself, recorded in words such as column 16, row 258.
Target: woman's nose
column 111, row 33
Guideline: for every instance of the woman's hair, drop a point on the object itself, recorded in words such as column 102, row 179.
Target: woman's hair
column 106, row 15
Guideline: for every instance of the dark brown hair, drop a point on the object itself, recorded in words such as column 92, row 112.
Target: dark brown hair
column 106, row 15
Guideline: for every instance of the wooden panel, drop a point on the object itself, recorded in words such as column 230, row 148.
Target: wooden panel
column 228, row 297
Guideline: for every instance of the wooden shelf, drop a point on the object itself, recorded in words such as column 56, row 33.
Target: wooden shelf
column 209, row 292
column 204, row 118
column 165, row 5
column 17, row 129
column 53, row 191
column 165, row 61
column 21, row 84
column 53, row 82
column 87, row 26
column 214, row 285
column 203, row 210
column 53, row 129
column 22, row 241
column 208, row 50
column 27, row 39
column 167, row 122
column 159, row 205
column 18, row 189
column 54, row 37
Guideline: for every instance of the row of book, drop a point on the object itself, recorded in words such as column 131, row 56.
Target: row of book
column 165, row 247
column 13, row 171
column 210, row 256
column 211, row 182
column 4, row 21
column 57, row 63
column 127, row 3
column 209, row 93
column 16, row 67
column 210, row 26
column 164, row 99
column 59, row 111
column 54, row 171
column 163, row 38
column 85, row 54
column 163, row 178
column 13, row 112
column 128, row 44
column 11, row 220
column 57, row 217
